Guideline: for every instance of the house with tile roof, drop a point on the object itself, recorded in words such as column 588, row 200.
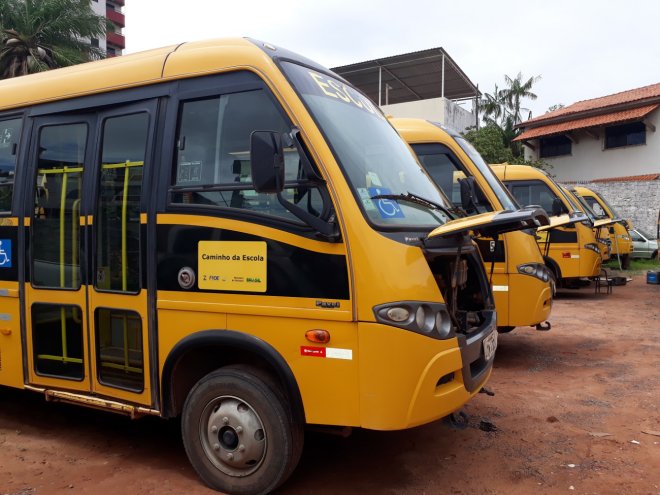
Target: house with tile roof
column 609, row 137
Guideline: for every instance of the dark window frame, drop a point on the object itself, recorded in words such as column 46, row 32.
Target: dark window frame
column 213, row 87
column 529, row 183
column 633, row 133
column 432, row 149
column 58, row 121
column 17, row 145
column 99, row 375
column 103, row 118
column 553, row 146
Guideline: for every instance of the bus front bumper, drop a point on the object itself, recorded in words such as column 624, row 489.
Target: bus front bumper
column 407, row 379
column 530, row 301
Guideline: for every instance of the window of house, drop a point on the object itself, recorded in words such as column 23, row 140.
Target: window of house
column 213, row 156
column 618, row 136
column 555, row 146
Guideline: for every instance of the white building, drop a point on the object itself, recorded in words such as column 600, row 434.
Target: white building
column 427, row 84
column 113, row 43
column 607, row 137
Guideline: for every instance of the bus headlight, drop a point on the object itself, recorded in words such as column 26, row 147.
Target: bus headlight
column 593, row 247
column 398, row 314
column 430, row 319
column 537, row 270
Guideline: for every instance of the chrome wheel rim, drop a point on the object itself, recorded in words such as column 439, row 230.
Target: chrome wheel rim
column 233, row 436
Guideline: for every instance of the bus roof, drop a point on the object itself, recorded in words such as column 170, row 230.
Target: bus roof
column 127, row 71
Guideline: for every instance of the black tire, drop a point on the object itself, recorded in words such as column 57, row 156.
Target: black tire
column 504, row 329
column 654, row 255
column 238, row 432
column 625, row 261
column 553, row 284
column 555, row 275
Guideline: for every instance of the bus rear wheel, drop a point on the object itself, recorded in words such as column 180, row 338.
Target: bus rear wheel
column 237, row 433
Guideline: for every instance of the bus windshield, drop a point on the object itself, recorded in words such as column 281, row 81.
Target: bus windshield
column 594, row 205
column 586, row 207
column 381, row 169
column 502, row 193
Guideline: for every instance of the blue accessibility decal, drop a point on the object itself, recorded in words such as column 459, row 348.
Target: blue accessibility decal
column 5, row 253
column 388, row 208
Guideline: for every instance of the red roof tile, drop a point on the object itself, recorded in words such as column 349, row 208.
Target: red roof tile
column 572, row 125
column 629, row 96
column 630, row 178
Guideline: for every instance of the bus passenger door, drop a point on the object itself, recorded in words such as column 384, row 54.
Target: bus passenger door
column 86, row 301
column 55, row 291
column 119, row 337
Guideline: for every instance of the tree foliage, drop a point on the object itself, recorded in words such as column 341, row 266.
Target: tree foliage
column 489, row 142
column 38, row 35
column 503, row 108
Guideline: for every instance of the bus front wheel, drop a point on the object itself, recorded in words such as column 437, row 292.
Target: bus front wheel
column 237, row 433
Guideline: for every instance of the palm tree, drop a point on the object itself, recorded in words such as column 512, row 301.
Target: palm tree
column 516, row 91
column 493, row 107
column 38, row 35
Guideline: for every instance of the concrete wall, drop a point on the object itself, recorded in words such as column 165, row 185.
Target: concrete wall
column 638, row 201
column 589, row 160
column 439, row 110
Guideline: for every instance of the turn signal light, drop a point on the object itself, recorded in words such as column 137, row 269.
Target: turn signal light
column 318, row 336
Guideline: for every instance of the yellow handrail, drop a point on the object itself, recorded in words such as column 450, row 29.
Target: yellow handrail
column 65, row 171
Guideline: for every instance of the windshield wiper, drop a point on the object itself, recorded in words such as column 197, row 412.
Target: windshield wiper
column 413, row 198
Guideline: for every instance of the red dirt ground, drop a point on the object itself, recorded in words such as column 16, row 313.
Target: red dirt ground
column 571, row 408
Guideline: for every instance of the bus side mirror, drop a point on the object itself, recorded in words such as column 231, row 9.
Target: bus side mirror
column 267, row 161
column 557, row 207
column 468, row 194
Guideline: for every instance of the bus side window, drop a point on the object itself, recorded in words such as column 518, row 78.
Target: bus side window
column 446, row 174
column 212, row 156
column 10, row 131
column 534, row 194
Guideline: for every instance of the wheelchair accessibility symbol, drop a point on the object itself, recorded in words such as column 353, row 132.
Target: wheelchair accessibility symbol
column 5, row 253
column 387, row 208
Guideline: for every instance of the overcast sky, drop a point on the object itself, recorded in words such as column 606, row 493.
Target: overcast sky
column 581, row 48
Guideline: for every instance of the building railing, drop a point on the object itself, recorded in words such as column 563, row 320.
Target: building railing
column 117, row 40
column 116, row 17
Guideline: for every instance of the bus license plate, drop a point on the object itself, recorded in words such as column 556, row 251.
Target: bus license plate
column 490, row 344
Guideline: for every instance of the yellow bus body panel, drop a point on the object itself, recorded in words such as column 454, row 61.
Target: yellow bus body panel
column 11, row 347
column 400, row 390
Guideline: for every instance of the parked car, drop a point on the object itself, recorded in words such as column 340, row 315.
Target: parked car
column 644, row 244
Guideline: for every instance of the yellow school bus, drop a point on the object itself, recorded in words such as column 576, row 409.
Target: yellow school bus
column 520, row 280
column 570, row 247
column 619, row 231
column 600, row 228
column 229, row 233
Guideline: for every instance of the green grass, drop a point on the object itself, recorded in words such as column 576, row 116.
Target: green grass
column 637, row 265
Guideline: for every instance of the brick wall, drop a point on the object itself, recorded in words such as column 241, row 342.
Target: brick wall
column 638, row 201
